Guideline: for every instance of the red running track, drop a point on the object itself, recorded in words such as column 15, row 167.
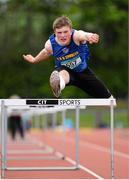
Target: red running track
column 95, row 158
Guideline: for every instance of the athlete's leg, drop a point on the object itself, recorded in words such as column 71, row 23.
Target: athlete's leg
column 20, row 127
column 92, row 85
column 65, row 75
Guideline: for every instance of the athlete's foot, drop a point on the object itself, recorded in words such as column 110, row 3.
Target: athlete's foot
column 55, row 83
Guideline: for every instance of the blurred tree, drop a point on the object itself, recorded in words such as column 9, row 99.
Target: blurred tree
column 27, row 24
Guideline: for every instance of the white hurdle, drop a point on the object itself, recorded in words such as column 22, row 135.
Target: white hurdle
column 76, row 103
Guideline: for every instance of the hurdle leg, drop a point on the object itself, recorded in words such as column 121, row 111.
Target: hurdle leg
column 0, row 146
column 2, row 139
column 5, row 135
column 77, row 135
column 112, row 137
column 64, row 133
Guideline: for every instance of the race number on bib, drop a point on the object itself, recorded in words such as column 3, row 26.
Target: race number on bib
column 72, row 63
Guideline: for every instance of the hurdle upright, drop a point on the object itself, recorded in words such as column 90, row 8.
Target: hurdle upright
column 4, row 103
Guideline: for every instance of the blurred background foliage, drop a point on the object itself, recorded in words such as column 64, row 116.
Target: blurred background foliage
column 25, row 25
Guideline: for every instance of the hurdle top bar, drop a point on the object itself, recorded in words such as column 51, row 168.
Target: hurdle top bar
column 58, row 102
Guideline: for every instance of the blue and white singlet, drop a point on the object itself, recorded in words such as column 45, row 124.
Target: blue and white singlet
column 73, row 56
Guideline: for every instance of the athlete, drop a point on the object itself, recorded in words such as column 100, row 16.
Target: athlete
column 70, row 49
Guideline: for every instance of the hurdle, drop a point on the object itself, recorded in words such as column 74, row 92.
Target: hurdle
column 76, row 103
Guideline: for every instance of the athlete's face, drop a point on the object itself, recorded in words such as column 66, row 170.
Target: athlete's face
column 63, row 35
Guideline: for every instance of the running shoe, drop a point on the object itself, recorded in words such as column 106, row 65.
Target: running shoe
column 55, row 83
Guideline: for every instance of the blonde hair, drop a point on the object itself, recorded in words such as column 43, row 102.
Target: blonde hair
column 62, row 21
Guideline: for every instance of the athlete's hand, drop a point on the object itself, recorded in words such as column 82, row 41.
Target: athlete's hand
column 29, row 58
column 93, row 38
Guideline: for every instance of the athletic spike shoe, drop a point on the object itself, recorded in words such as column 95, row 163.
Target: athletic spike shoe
column 55, row 83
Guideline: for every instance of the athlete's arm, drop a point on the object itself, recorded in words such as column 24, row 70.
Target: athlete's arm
column 82, row 36
column 42, row 55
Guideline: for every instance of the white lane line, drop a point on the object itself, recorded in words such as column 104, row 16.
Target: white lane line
column 80, row 166
column 99, row 148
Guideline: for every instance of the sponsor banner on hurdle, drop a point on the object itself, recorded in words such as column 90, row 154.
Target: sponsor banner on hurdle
column 59, row 102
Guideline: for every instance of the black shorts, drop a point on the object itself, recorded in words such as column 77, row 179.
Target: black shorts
column 88, row 82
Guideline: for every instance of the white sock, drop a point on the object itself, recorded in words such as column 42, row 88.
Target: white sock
column 62, row 83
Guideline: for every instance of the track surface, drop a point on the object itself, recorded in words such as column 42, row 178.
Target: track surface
column 94, row 155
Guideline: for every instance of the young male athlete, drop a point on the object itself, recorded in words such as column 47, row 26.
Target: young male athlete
column 69, row 47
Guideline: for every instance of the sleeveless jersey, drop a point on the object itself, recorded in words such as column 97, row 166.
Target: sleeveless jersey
column 73, row 56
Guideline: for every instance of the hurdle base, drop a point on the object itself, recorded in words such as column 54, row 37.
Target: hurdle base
column 42, row 168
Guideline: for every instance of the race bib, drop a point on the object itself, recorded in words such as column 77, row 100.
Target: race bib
column 72, row 63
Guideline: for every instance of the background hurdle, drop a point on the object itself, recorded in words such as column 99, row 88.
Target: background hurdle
column 47, row 149
column 36, row 112
column 60, row 102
